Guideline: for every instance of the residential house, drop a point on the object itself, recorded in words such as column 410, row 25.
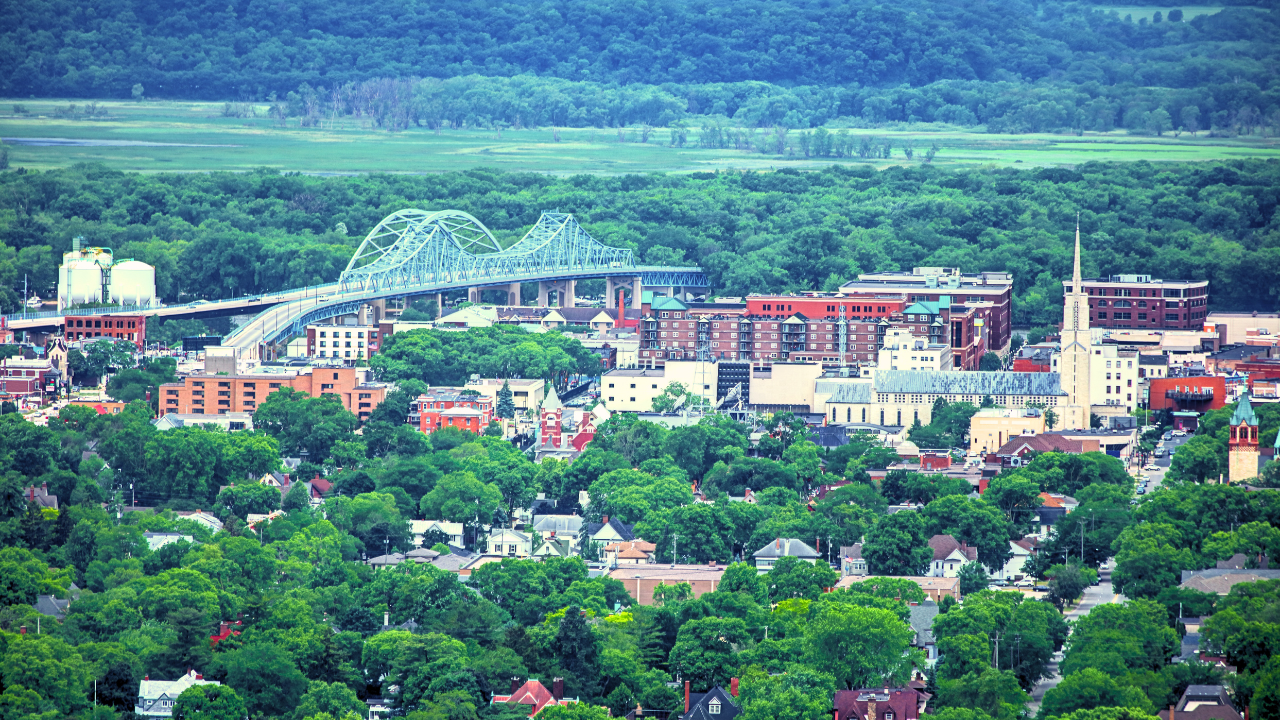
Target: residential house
column 949, row 555
column 922, row 616
column 421, row 527
column 1053, row 507
column 1202, row 702
column 52, row 606
column 767, row 556
column 716, row 704
column 157, row 540
column 1220, row 581
column 510, row 543
column 556, row 526
column 553, row 547
column 634, row 552
column 156, row 697
column 1013, row 451
column 1013, row 568
column 888, row 703
column 851, row 560
column 610, row 531
column 40, row 496
column 202, row 518
column 534, row 694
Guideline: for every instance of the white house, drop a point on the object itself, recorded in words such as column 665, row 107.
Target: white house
column 949, row 555
column 511, row 543
column 156, row 697
column 766, row 556
column 422, row 527
column 1022, row 551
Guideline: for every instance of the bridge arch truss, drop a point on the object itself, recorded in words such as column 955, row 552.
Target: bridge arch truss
column 416, row 248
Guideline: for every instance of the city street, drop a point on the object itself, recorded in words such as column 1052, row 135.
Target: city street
column 1094, row 596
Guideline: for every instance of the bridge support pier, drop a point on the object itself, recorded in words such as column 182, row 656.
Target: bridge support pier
column 473, row 295
column 564, row 290
column 614, row 284
column 513, row 294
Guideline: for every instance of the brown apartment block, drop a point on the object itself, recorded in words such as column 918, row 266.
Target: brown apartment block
column 221, row 394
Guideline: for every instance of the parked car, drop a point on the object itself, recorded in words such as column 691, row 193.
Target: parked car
column 1179, row 433
column 1151, row 466
column 1159, row 452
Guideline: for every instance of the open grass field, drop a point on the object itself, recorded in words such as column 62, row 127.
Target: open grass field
column 192, row 137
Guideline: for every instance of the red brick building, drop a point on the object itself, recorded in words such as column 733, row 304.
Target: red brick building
column 1181, row 394
column 1138, row 301
column 835, row 329
column 451, row 407
column 118, row 327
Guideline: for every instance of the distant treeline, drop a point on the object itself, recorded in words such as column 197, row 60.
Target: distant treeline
column 713, row 115
column 1015, row 66
column 223, row 234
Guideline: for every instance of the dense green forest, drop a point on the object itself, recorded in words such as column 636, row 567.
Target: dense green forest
column 1013, row 66
column 222, row 234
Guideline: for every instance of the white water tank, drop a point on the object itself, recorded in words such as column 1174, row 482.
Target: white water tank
column 79, row 281
column 132, row 283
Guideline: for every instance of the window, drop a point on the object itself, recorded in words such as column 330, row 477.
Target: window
column 713, row 708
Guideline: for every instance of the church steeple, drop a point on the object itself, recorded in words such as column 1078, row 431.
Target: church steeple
column 1076, row 279
column 1076, row 347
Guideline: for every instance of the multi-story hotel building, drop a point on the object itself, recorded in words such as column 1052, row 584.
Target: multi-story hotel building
column 968, row 314
column 221, row 394
column 1138, row 301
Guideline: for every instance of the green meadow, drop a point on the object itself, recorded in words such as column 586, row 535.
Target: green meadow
column 189, row 137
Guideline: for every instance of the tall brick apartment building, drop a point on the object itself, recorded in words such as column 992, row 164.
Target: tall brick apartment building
column 221, row 394
column 970, row 314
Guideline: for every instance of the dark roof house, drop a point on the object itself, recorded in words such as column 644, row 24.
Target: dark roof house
column 898, row 703
column 717, row 704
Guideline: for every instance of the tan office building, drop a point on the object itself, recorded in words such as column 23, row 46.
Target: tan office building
column 991, row 428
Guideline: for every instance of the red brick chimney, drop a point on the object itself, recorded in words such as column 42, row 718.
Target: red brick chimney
column 515, row 683
column 733, row 687
column 606, row 519
column 557, row 688
column 686, row 694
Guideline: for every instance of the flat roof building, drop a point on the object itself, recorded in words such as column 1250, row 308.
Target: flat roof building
column 223, row 394
column 1139, row 301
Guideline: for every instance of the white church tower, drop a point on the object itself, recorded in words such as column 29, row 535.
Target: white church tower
column 1075, row 353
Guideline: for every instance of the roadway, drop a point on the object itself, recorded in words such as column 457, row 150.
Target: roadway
column 1094, row 595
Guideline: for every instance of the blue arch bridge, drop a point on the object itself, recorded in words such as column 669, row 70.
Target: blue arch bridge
column 420, row 253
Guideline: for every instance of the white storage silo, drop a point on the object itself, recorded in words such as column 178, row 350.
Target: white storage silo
column 79, row 281
column 132, row 283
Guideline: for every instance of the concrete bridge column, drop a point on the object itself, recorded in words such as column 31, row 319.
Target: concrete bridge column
column 473, row 295
column 379, row 308
column 439, row 305
column 513, row 294
column 629, row 283
column 564, row 290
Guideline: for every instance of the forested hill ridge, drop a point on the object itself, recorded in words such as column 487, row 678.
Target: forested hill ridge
column 225, row 234
column 705, row 57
